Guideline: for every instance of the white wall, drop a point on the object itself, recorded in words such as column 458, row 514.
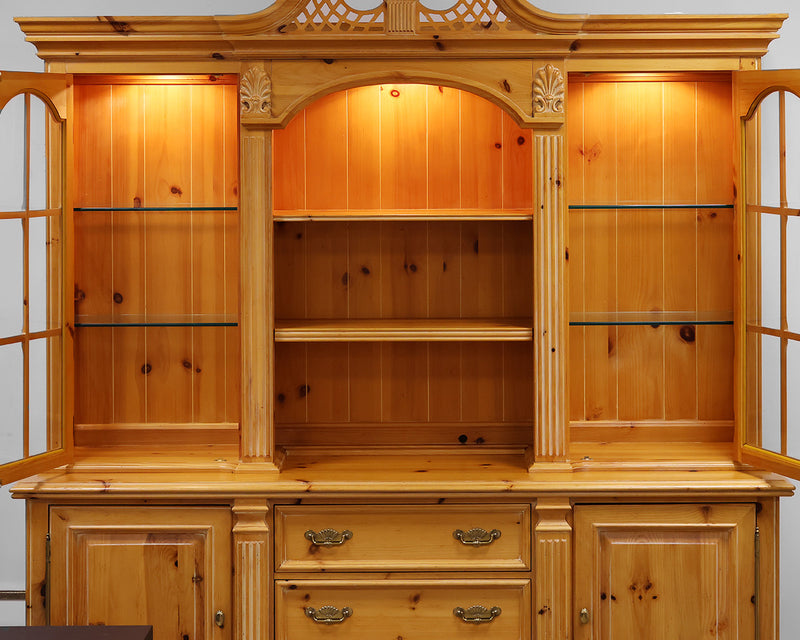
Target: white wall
column 16, row 54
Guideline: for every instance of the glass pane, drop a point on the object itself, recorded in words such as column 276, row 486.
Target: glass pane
column 793, row 274
column 771, row 393
column 45, row 392
column 11, row 402
column 44, row 262
column 38, row 154
column 11, row 278
column 770, row 151
column 770, row 272
column 793, row 398
column 792, row 150
column 12, row 155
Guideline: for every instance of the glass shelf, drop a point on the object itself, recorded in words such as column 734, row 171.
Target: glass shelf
column 157, row 320
column 611, row 207
column 146, row 209
column 619, row 318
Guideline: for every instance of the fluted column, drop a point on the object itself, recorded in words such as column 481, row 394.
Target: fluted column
column 251, row 550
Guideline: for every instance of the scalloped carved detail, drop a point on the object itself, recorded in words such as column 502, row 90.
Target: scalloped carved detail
column 466, row 16
column 548, row 90
column 255, row 92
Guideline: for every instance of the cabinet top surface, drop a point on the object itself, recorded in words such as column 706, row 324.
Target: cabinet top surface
column 129, row 474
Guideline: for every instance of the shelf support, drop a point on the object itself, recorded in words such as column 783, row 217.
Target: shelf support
column 549, row 302
column 251, row 569
column 256, row 298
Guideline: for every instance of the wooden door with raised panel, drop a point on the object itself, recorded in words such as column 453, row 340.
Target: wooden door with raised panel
column 664, row 572
column 161, row 566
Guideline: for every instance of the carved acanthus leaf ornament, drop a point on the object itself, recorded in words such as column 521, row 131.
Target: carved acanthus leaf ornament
column 255, row 92
column 548, row 90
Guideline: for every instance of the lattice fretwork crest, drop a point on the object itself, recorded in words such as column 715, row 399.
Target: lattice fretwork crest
column 465, row 16
column 401, row 16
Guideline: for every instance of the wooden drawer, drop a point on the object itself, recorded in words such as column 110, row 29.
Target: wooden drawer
column 388, row 537
column 413, row 609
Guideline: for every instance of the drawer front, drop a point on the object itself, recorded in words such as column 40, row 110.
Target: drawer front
column 388, row 537
column 413, row 610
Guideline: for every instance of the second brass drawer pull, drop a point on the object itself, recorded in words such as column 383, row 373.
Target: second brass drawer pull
column 328, row 614
column 477, row 614
column 328, row 537
column 476, row 537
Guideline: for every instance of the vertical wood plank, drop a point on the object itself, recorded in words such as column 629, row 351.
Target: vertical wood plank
column 481, row 153
column 599, row 154
column 364, row 273
column 445, row 381
column 290, row 383
column 404, row 387
column 93, row 263
column 365, row 382
column 482, row 382
column 328, row 278
column 445, row 276
column 168, row 250
column 444, row 143
column 128, row 242
column 518, row 163
column 715, row 264
column 326, row 152
column 327, row 386
column 640, row 258
column 363, row 146
column 404, row 270
column 289, row 172
column 482, row 269
column 404, row 161
column 680, row 247
column 290, row 269
column 233, row 369
column 209, row 393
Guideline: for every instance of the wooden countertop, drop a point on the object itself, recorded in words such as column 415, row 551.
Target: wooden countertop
column 614, row 471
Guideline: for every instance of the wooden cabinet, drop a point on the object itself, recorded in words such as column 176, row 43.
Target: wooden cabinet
column 412, row 313
column 168, row 567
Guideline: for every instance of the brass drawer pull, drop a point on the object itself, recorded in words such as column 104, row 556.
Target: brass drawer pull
column 328, row 537
column 477, row 614
column 328, row 614
column 476, row 537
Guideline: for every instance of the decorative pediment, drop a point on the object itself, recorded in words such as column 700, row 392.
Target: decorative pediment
column 392, row 29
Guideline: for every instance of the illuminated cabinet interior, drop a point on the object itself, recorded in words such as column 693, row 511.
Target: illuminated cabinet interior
column 362, row 323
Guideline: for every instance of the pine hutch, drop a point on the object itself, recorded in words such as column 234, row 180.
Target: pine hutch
column 398, row 322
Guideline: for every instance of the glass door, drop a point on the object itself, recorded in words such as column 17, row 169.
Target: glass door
column 35, row 344
column 768, row 103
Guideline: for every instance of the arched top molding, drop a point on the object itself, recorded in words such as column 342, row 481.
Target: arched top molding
column 397, row 28
column 763, row 96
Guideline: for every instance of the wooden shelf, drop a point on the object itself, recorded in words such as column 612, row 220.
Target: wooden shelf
column 386, row 215
column 404, row 330
column 644, row 318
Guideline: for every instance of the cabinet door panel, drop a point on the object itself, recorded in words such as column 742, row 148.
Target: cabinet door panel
column 664, row 572
column 165, row 567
